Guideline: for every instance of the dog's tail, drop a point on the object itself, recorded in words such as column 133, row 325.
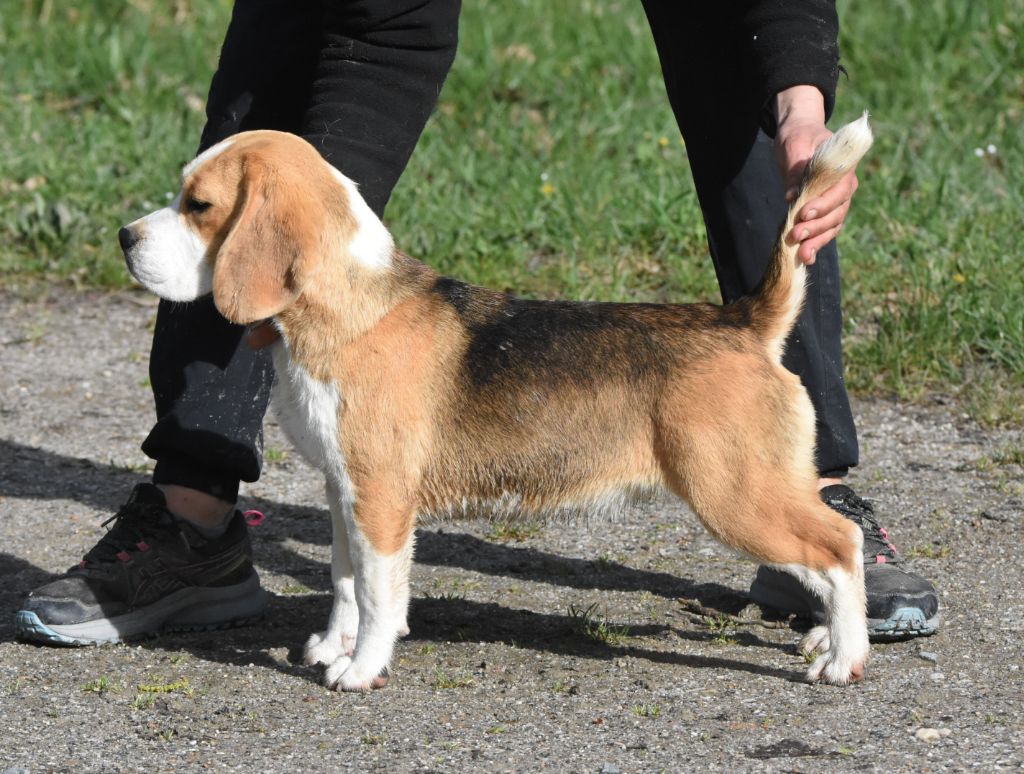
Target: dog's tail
column 777, row 301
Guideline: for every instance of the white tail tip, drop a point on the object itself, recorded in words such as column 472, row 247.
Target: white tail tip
column 845, row 148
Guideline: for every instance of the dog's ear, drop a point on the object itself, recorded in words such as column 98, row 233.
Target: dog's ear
column 270, row 248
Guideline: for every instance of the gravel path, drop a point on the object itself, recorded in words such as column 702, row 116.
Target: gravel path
column 595, row 647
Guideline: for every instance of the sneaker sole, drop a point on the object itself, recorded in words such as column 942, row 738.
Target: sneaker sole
column 905, row 623
column 196, row 609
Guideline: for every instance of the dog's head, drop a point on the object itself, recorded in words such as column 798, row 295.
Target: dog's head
column 257, row 217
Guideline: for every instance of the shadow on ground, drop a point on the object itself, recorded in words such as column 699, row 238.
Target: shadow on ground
column 37, row 474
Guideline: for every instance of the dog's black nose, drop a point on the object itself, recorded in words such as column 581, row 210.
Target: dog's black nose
column 127, row 237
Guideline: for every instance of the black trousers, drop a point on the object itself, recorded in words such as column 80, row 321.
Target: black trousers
column 359, row 79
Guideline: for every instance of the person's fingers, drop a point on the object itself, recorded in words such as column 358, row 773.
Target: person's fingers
column 808, row 251
column 842, row 192
column 809, row 229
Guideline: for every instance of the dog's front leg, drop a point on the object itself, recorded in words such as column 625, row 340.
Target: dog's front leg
column 343, row 626
column 380, row 545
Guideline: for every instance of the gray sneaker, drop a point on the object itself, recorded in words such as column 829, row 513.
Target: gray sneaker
column 150, row 573
column 901, row 603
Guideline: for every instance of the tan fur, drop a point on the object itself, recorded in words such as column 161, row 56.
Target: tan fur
column 748, row 471
column 723, row 433
column 696, row 401
column 290, row 237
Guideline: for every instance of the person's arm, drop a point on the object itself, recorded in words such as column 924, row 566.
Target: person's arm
column 789, row 43
column 793, row 61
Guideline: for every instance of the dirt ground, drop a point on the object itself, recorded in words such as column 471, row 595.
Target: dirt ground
column 613, row 646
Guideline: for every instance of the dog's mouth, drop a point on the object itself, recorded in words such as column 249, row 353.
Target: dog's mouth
column 143, row 273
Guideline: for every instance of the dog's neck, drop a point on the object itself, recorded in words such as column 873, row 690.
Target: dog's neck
column 337, row 308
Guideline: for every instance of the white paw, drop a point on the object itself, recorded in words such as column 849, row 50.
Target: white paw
column 346, row 674
column 840, row 661
column 321, row 649
column 815, row 641
column 835, row 669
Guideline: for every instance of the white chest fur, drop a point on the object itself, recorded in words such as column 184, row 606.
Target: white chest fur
column 308, row 412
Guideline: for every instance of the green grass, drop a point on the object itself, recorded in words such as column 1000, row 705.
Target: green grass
column 932, row 260
column 647, row 710
column 553, row 166
column 99, row 103
column 100, row 685
column 181, row 685
column 514, row 531
column 721, row 628
column 446, row 682
column 591, row 624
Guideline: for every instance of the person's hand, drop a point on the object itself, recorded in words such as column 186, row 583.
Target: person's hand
column 800, row 120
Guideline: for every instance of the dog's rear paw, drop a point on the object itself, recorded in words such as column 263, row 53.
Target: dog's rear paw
column 835, row 670
column 815, row 641
column 321, row 649
column 346, row 675
column 839, row 662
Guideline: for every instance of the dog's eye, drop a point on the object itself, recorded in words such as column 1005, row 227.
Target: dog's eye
column 196, row 206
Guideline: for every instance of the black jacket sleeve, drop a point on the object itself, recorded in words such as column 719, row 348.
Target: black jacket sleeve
column 790, row 43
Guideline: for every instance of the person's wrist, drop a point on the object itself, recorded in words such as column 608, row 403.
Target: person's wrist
column 802, row 104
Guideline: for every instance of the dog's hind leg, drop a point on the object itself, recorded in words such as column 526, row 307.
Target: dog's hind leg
column 841, row 644
column 796, row 533
column 743, row 458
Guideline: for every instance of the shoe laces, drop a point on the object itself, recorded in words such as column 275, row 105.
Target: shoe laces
column 858, row 510
column 136, row 525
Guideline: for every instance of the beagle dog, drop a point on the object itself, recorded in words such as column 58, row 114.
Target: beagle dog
column 415, row 393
